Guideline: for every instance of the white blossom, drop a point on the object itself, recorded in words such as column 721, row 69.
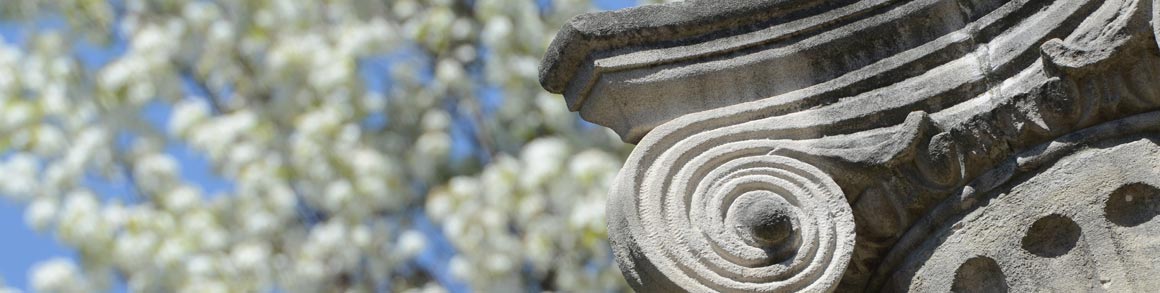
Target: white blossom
column 181, row 199
column 172, row 252
column 434, row 144
column 436, row 120
column 411, row 242
column 186, row 114
column 131, row 246
column 542, row 159
column 156, row 172
column 57, row 275
column 15, row 115
column 49, row 141
column 41, row 213
column 21, row 172
column 251, row 257
column 449, row 71
column 200, row 13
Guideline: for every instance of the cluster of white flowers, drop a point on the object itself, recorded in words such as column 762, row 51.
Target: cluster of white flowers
column 58, row 276
column 542, row 211
column 326, row 172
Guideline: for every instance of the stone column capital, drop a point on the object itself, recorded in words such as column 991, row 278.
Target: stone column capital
column 833, row 145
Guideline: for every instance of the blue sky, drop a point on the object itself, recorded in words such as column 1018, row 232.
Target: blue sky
column 23, row 247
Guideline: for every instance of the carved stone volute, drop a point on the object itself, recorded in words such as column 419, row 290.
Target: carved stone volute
column 874, row 145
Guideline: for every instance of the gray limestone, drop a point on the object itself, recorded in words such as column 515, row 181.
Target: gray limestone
column 877, row 145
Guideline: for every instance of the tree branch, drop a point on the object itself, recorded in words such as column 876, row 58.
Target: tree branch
column 211, row 96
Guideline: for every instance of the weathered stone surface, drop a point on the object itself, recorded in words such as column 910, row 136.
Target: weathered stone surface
column 877, row 145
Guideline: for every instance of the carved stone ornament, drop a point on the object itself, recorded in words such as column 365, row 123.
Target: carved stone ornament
column 877, row 145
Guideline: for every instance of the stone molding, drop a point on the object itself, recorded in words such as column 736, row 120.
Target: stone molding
column 855, row 145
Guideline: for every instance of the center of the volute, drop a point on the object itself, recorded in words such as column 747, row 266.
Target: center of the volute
column 767, row 221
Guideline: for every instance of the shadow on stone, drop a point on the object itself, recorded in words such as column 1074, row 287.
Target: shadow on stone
column 1132, row 204
column 1051, row 236
column 979, row 274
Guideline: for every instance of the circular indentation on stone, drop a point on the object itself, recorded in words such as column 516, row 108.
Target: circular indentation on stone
column 1133, row 204
column 768, row 221
column 979, row 274
column 1051, row 236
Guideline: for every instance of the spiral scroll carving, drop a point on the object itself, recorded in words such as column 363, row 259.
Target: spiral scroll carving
column 915, row 107
column 1156, row 22
column 734, row 219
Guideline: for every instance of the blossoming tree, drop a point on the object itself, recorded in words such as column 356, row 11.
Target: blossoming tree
column 343, row 126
